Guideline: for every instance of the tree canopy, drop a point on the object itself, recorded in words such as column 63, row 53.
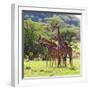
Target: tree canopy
column 32, row 31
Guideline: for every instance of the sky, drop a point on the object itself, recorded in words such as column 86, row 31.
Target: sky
column 39, row 16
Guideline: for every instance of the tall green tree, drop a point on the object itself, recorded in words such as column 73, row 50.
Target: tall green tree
column 32, row 31
column 62, row 30
column 56, row 23
column 69, row 34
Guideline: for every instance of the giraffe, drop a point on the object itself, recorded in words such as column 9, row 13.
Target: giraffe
column 57, row 51
column 66, row 50
column 53, row 51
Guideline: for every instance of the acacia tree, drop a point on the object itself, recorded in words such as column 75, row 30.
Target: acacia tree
column 69, row 35
column 56, row 23
column 63, row 31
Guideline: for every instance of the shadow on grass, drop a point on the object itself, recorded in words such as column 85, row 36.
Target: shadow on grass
column 52, row 74
column 72, row 68
column 42, row 70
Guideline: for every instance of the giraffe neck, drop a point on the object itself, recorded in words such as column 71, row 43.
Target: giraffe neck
column 50, row 43
column 59, row 37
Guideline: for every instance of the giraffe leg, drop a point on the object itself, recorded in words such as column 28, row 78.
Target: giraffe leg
column 71, row 63
column 55, row 63
column 59, row 61
column 51, row 62
column 47, row 61
column 70, row 58
column 64, row 61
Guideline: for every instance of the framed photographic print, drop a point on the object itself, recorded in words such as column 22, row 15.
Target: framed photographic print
column 47, row 44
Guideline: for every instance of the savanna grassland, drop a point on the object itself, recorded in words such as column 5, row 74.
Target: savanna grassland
column 53, row 27
column 39, row 68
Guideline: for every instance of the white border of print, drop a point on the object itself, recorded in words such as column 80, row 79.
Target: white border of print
column 16, row 41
